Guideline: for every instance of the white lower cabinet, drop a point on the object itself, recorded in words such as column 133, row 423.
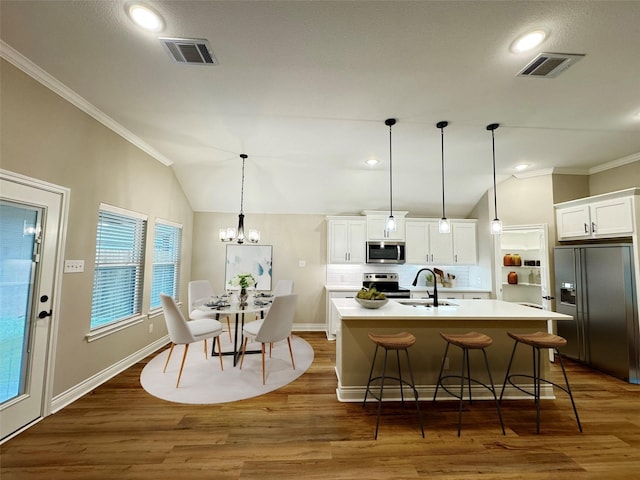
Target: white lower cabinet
column 333, row 319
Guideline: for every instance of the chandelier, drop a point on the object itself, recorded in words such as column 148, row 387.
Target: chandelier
column 230, row 234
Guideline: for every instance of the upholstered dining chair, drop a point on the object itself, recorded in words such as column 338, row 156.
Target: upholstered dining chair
column 283, row 287
column 199, row 292
column 275, row 327
column 183, row 332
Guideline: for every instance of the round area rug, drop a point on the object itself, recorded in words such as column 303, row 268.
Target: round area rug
column 202, row 381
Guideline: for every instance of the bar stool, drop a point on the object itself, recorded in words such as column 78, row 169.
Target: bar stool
column 467, row 341
column 397, row 342
column 537, row 341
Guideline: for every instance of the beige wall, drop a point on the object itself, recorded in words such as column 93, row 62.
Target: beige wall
column 294, row 238
column 619, row 178
column 45, row 137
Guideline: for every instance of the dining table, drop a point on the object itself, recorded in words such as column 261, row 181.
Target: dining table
column 228, row 305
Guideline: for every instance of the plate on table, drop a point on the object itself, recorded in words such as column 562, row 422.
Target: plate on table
column 261, row 303
column 264, row 295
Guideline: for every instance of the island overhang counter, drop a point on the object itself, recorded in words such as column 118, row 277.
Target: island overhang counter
column 354, row 350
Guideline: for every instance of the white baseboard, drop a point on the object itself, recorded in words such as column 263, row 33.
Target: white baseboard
column 74, row 393
column 309, row 327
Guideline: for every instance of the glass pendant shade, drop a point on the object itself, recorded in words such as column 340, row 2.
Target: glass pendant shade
column 496, row 227
column 444, row 226
column 390, row 225
column 229, row 234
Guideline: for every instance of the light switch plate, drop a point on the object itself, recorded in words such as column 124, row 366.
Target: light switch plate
column 73, row 266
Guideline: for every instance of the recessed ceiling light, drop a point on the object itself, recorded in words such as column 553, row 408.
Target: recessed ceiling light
column 145, row 17
column 522, row 166
column 528, row 41
column 372, row 162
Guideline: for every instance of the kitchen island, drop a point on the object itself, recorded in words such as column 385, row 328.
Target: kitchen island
column 354, row 350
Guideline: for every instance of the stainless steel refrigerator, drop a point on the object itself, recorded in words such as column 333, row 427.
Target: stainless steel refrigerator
column 596, row 285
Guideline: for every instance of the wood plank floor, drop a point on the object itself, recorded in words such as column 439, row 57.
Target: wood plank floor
column 302, row 432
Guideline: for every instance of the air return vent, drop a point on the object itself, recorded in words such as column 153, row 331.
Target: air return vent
column 193, row 51
column 549, row 65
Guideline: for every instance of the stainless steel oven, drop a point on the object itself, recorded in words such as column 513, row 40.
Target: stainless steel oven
column 386, row 283
column 385, row 252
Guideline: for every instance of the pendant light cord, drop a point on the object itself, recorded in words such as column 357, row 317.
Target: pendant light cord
column 390, row 176
column 244, row 157
column 495, row 191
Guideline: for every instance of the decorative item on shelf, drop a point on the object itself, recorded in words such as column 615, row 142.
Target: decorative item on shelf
column 443, row 225
column 507, row 260
column 496, row 224
column 229, row 234
column 532, row 277
column 390, row 226
column 512, row 278
column 538, row 278
column 517, row 261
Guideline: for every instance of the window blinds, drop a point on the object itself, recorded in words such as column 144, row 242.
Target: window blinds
column 166, row 262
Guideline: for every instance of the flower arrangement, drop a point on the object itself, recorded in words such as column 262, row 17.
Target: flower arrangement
column 243, row 280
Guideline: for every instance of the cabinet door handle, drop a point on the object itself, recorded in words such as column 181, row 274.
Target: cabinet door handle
column 593, row 227
column 586, row 228
column 455, row 258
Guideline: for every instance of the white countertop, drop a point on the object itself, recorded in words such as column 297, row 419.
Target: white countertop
column 459, row 309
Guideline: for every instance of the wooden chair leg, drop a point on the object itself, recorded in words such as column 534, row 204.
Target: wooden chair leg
column 168, row 357
column 220, row 353
column 291, row 352
column 244, row 349
column 205, row 348
column 184, row 357
column 229, row 328
column 263, row 375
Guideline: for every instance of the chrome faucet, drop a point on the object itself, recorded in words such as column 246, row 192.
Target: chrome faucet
column 435, row 284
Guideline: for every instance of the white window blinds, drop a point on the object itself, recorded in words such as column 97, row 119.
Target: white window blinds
column 117, row 281
column 166, row 261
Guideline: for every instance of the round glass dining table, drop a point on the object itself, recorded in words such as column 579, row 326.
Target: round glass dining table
column 256, row 305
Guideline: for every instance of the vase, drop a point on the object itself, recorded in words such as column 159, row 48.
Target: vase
column 517, row 261
column 507, row 260
column 243, row 297
column 512, row 278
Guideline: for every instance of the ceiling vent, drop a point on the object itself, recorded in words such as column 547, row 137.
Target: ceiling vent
column 192, row 51
column 549, row 65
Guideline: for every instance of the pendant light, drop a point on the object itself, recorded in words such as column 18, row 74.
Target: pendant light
column 496, row 224
column 443, row 225
column 229, row 234
column 390, row 225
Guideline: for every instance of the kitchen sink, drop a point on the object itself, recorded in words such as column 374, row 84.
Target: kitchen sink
column 428, row 303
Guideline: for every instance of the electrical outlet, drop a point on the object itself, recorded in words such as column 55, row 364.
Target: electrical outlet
column 302, row 263
column 73, row 266
column 151, row 328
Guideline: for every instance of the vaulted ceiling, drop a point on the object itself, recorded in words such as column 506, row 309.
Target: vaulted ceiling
column 304, row 87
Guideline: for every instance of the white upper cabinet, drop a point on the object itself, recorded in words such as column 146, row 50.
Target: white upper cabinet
column 346, row 239
column 465, row 250
column 603, row 216
column 425, row 244
column 376, row 222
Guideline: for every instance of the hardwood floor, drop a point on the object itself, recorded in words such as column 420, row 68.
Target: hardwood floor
column 302, row 432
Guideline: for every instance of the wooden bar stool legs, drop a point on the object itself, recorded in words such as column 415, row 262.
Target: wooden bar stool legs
column 538, row 341
column 397, row 342
column 467, row 341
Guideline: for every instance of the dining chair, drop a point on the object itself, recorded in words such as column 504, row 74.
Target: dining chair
column 276, row 326
column 183, row 332
column 283, row 287
column 199, row 292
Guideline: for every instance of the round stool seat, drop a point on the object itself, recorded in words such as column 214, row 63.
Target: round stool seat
column 471, row 340
column 397, row 341
column 539, row 339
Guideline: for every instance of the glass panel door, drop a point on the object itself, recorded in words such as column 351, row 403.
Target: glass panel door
column 19, row 231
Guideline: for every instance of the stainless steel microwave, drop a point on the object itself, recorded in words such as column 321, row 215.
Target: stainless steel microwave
column 385, row 252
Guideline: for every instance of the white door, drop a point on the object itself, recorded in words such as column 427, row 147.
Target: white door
column 29, row 228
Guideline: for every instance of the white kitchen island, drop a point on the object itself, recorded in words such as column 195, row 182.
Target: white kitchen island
column 354, row 350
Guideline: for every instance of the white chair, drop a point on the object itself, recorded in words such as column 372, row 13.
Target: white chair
column 199, row 292
column 275, row 327
column 182, row 332
column 283, row 287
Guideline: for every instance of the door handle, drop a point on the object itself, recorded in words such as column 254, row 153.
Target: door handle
column 44, row 314
column 548, row 297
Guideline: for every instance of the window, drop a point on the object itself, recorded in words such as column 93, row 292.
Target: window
column 166, row 261
column 117, row 282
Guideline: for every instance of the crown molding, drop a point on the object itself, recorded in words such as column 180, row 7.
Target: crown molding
column 27, row 66
column 615, row 163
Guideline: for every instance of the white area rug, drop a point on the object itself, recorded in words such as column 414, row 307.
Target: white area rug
column 202, row 381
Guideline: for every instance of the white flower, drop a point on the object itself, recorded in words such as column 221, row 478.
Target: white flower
column 243, row 280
